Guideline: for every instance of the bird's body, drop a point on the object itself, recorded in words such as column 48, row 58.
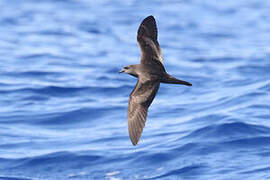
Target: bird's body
column 150, row 73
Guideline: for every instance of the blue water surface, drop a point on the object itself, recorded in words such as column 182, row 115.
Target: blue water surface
column 63, row 103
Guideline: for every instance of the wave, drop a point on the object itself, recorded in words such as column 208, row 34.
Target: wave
column 229, row 131
column 184, row 171
column 63, row 104
column 15, row 178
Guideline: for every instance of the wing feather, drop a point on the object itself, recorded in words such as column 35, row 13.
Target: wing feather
column 139, row 101
column 147, row 39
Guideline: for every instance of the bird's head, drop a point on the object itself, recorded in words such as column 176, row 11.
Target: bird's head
column 130, row 69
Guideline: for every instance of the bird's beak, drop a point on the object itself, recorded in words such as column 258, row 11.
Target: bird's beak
column 122, row 71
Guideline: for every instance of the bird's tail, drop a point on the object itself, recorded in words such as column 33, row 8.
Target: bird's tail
column 172, row 80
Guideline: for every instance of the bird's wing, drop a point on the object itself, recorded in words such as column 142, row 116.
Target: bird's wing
column 139, row 101
column 147, row 39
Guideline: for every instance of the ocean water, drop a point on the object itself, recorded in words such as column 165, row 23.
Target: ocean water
column 63, row 104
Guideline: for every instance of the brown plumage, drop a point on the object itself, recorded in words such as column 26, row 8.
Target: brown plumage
column 150, row 73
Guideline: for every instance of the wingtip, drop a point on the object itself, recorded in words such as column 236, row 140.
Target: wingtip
column 149, row 17
column 134, row 141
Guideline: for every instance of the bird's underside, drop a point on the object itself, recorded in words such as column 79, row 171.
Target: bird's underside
column 150, row 73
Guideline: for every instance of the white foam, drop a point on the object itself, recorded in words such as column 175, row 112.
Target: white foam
column 111, row 174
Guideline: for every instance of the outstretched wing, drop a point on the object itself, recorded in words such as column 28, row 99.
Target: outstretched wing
column 147, row 39
column 139, row 101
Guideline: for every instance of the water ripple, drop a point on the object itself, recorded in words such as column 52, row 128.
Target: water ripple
column 63, row 104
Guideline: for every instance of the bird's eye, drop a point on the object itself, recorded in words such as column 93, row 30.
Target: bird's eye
column 125, row 67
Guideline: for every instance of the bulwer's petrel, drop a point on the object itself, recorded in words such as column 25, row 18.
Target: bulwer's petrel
column 150, row 73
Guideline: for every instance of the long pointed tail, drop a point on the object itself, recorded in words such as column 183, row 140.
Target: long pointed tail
column 172, row 80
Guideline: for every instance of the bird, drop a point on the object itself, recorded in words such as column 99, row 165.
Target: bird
column 150, row 72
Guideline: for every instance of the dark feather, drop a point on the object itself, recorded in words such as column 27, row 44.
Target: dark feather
column 147, row 39
column 139, row 101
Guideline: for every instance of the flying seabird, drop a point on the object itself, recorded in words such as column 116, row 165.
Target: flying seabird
column 150, row 73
